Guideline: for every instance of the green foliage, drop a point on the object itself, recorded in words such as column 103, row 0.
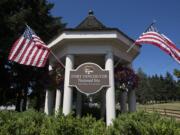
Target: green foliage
column 143, row 123
column 36, row 13
column 36, row 123
column 16, row 79
column 61, row 125
column 155, row 89
column 177, row 73
column 27, row 123
column 144, row 90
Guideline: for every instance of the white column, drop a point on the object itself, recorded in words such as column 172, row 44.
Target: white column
column 123, row 99
column 131, row 100
column 48, row 109
column 110, row 93
column 67, row 101
column 79, row 104
column 58, row 101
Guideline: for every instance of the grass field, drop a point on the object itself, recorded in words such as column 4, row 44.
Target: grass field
column 173, row 106
column 166, row 109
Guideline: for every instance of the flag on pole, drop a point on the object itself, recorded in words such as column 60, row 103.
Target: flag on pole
column 29, row 49
column 152, row 36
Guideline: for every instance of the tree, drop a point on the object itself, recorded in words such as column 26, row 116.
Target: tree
column 144, row 90
column 156, row 84
column 14, row 15
column 157, row 88
column 170, row 87
column 36, row 13
column 177, row 73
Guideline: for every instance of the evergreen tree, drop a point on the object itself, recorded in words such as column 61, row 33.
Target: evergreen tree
column 177, row 73
column 144, row 89
column 14, row 14
column 170, row 86
column 157, row 88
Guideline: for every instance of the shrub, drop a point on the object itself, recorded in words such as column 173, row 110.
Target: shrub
column 36, row 123
column 143, row 123
column 68, row 125
column 26, row 123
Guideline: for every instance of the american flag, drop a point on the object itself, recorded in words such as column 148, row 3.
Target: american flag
column 152, row 36
column 29, row 49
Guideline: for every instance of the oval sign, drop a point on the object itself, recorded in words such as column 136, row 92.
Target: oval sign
column 89, row 78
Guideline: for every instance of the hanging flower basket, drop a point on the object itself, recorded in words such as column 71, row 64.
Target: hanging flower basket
column 125, row 78
column 57, row 75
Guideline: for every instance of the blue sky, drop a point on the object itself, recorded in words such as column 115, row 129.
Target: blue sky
column 132, row 17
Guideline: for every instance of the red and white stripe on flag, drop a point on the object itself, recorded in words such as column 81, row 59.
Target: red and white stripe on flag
column 161, row 41
column 29, row 51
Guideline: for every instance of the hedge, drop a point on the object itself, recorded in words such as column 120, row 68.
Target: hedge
column 36, row 123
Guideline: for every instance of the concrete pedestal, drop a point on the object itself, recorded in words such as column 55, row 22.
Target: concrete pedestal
column 123, row 100
column 79, row 104
column 131, row 100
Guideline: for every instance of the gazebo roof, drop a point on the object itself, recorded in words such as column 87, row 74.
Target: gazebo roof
column 92, row 37
column 91, row 23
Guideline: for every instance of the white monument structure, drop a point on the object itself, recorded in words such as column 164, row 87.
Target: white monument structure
column 91, row 42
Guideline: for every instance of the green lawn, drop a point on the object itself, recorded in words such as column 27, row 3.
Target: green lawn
column 173, row 106
column 165, row 109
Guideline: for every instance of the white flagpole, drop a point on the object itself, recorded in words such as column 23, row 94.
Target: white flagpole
column 129, row 49
column 117, row 63
column 57, row 59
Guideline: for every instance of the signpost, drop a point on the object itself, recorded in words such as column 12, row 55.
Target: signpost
column 89, row 78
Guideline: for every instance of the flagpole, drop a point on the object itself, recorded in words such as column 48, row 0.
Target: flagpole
column 57, row 59
column 117, row 63
column 130, row 48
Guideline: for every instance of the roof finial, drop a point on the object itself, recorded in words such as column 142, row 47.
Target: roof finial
column 91, row 12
